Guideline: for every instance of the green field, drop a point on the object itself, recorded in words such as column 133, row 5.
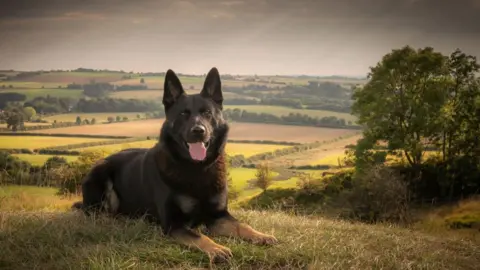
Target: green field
column 39, row 160
column 37, row 142
column 16, row 85
column 246, row 149
column 33, row 93
column 99, row 117
column 280, row 111
column 28, row 124
column 157, row 94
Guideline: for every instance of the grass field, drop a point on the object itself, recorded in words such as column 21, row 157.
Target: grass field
column 246, row 149
column 187, row 82
column 28, row 198
column 16, row 85
column 36, row 142
column 325, row 155
column 39, row 234
column 74, row 77
column 238, row 131
column 102, row 117
column 303, row 81
column 39, row 160
column 33, row 93
column 280, row 111
column 157, row 94
column 28, row 124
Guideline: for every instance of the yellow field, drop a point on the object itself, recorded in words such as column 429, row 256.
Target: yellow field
column 246, row 149
column 326, row 154
column 332, row 159
column 39, row 160
column 99, row 117
column 36, row 142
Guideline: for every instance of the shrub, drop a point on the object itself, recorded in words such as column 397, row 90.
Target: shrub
column 378, row 194
column 263, row 176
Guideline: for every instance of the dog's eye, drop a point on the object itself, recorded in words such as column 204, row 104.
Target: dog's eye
column 185, row 113
column 207, row 113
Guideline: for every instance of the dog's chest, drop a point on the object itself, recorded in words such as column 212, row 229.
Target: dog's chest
column 189, row 204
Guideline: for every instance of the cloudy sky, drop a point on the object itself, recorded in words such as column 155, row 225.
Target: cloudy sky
column 341, row 37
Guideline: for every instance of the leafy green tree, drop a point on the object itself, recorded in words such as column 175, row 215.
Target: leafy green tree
column 14, row 120
column 29, row 112
column 402, row 101
column 78, row 121
column 460, row 120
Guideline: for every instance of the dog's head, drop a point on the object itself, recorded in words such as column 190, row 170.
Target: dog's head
column 194, row 123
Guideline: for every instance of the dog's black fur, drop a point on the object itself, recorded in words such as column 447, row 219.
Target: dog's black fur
column 164, row 183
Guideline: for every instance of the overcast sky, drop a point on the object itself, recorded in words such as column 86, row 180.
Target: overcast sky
column 239, row 36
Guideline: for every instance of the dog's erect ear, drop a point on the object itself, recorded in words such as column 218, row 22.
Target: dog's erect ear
column 212, row 88
column 172, row 89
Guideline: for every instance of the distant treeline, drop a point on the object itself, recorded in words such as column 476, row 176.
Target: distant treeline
column 291, row 119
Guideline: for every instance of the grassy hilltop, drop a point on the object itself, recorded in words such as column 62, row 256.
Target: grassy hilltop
column 43, row 236
column 364, row 174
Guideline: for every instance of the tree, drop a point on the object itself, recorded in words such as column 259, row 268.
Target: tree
column 14, row 120
column 110, row 119
column 93, row 121
column 55, row 162
column 142, row 81
column 78, row 121
column 460, row 115
column 402, row 101
column 264, row 176
column 29, row 112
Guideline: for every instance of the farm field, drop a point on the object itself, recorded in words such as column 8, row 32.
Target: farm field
column 36, row 142
column 329, row 153
column 28, row 124
column 66, row 77
column 102, row 117
column 305, row 80
column 33, row 93
column 156, row 82
column 18, row 85
column 246, row 149
column 157, row 94
column 39, row 160
column 280, row 111
column 238, row 131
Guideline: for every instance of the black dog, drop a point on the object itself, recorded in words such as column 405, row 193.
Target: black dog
column 180, row 183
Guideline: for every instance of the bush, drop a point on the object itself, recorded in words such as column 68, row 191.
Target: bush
column 379, row 194
column 264, row 176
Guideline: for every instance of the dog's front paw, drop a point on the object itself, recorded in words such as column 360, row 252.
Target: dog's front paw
column 217, row 252
column 264, row 239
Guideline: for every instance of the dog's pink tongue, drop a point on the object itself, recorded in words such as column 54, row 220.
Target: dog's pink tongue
column 197, row 150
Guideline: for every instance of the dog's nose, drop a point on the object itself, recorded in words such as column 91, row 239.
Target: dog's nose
column 198, row 130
